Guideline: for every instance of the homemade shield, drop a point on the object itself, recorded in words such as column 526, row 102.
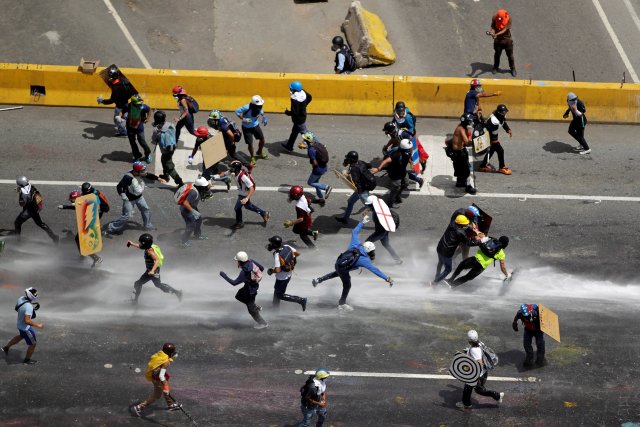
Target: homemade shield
column 88, row 220
column 465, row 369
column 213, row 150
column 549, row 322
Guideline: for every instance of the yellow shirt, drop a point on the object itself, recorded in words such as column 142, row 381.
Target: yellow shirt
column 485, row 260
column 157, row 360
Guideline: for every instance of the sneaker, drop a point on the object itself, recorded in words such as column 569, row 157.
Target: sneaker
column 501, row 397
column 283, row 145
column 505, row 170
column 541, row 362
column 265, row 218
column 485, row 169
column 237, row 226
column 253, row 161
column 263, row 156
column 29, row 362
column 148, row 159
column 578, row 148
column 514, row 73
column 206, row 196
column 137, row 410
column 340, row 219
column 315, row 282
column 5, row 350
column 420, row 183
column 179, row 295
column 462, row 406
column 321, row 202
column 261, row 326
column 469, row 189
column 587, row 151
column 327, row 192
column 186, row 244
column 174, row 407
column 345, row 307
column 304, row 304
column 202, row 237
column 97, row 260
column 446, row 282
column 315, row 234
column 150, row 228
column 398, row 261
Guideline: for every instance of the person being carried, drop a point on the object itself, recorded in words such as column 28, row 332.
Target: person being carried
column 490, row 250
column 529, row 315
column 285, row 260
column 357, row 255
column 26, row 306
column 303, row 222
column 157, row 374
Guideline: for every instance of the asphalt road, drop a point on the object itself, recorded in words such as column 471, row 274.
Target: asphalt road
column 577, row 256
column 431, row 38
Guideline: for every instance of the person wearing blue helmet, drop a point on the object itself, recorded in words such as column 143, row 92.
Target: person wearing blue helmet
column 530, row 317
column 299, row 101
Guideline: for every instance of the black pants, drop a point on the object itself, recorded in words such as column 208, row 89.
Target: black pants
column 244, row 296
column 279, row 294
column 395, row 190
column 495, row 147
column 132, row 134
column 498, row 47
column 528, row 348
column 383, row 237
column 576, row 130
column 480, row 389
column 461, row 166
column 187, row 122
column 345, row 277
column 137, row 286
column 169, row 168
column 304, row 234
column 470, row 264
column 32, row 213
column 296, row 130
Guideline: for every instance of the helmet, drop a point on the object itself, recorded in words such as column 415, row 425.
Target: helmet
column 389, row 127
column 296, row 192
column 472, row 335
column 524, row 309
column 308, row 136
column 235, row 166
column 473, row 211
column 74, row 195
column 405, row 144
column 241, row 257
column 215, row 115
column 502, row 109
column 466, row 119
column 178, row 90
column 274, row 242
column 337, row 40
column 138, row 166
column 136, row 99
column 113, row 72
column 504, row 241
column 145, row 240
column 371, row 199
column 400, row 106
column 475, row 83
column 202, row 132
column 369, row 246
column 462, row 220
column 31, row 293
column 351, row 157
column 169, row 349
column 159, row 117
column 571, row 96
column 22, row 181
column 322, row 373
column 295, row 86
column 201, row 181
column 86, row 188
column 257, row 100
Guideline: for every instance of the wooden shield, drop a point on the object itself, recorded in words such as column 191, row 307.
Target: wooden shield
column 213, row 150
column 481, row 143
column 549, row 322
column 345, row 178
column 88, row 221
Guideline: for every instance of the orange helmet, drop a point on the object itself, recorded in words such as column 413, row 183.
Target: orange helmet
column 178, row 90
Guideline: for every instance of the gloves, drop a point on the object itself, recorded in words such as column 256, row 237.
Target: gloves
column 365, row 219
column 124, row 197
column 287, row 112
column 60, row 207
column 302, row 146
column 222, row 274
column 389, row 281
column 190, row 160
column 264, row 121
column 196, row 215
column 508, row 276
column 100, row 99
column 288, row 223
column 270, row 271
column 514, row 325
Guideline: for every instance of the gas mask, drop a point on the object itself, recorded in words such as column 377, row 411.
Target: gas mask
column 372, row 255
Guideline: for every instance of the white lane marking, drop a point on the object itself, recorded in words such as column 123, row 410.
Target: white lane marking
column 127, row 34
column 633, row 13
column 348, row 191
column 616, row 42
column 417, row 376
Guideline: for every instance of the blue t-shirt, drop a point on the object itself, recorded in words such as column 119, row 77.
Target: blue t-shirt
column 249, row 121
column 470, row 102
column 317, row 170
column 25, row 310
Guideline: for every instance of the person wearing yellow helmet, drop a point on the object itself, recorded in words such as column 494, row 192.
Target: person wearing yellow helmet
column 314, row 398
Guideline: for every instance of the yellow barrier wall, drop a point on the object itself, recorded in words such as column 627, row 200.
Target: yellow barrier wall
column 332, row 94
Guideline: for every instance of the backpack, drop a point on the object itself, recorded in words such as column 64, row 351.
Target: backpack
column 287, row 258
column 104, row 202
column 192, row 104
column 491, row 247
column 36, row 307
column 347, row 259
column 167, row 138
column 489, row 357
column 256, row 273
column 322, row 155
column 182, row 192
column 307, row 391
column 350, row 60
column 36, row 198
column 367, row 179
column 448, row 147
column 159, row 254
column 237, row 135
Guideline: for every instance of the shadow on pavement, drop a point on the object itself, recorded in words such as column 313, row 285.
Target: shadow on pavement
column 117, row 156
column 557, row 147
column 101, row 130
column 479, row 68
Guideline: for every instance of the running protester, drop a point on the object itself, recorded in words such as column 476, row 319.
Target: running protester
column 26, row 308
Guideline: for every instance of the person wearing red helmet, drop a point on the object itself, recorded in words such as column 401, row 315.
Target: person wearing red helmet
column 186, row 109
column 303, row 222
column 472, row 99
column 210, row 173
column 71, row 205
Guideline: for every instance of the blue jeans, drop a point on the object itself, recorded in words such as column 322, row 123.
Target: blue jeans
column 120, row 126
column 314, row 181
column 186, row 122
column 446, row 262
column 295, row 131
column 352, row 201
column 307, row 416
column 127, row 210
column 249, row 206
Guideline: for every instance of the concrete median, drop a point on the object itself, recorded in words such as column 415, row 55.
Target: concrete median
column 367, row 37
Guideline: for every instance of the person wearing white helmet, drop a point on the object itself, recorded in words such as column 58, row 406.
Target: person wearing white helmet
column 482, row 354
column 578, row 122
column 250, row 114
column 26, row 308
column 188, row 197
column 357, row 255
column 314, row 398
column 30, row 200
column 395, row 162
column 250, row 275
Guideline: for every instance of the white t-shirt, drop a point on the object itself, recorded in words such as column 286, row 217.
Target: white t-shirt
column 302, row 203
column 476, row 353
column 244, row 184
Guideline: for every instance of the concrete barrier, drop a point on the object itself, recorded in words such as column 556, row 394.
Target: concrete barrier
column 352, row 94
column 367, row 37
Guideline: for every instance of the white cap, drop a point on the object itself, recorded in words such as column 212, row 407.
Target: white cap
column 241, row 256
column 257, row 100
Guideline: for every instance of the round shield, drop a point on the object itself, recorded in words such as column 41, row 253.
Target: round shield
column 465, row 369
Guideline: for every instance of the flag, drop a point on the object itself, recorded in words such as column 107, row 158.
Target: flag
column 415, row 156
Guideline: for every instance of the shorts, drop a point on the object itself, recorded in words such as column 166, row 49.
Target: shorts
column 249, row 133
column 29, row 336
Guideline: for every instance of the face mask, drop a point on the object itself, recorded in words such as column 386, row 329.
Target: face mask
column 372, row 255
